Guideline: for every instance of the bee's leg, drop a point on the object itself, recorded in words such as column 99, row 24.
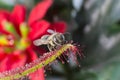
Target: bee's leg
column 56, row 45
column 49, row 47
column 56, row 41
column 60, row 39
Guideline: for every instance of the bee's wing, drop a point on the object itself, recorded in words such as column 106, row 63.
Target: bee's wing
column 41, row 41
column 50, row 31
column 45, row 37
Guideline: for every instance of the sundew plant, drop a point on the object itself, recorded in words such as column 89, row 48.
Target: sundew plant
column 18, row 56
column 47, row 58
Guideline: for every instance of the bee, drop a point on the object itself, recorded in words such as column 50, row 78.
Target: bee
column 52, row 41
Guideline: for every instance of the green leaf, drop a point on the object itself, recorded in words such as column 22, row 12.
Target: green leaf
column 110, row 72
column 114, row 29
column 85, row 75
column 5, row 6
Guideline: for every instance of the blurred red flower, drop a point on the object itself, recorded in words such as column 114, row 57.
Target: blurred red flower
column 16, row 38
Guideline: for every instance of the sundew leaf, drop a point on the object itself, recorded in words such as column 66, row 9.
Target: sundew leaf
column 44, row 60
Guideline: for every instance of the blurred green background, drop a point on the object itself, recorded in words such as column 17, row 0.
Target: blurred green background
column 95, row 24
